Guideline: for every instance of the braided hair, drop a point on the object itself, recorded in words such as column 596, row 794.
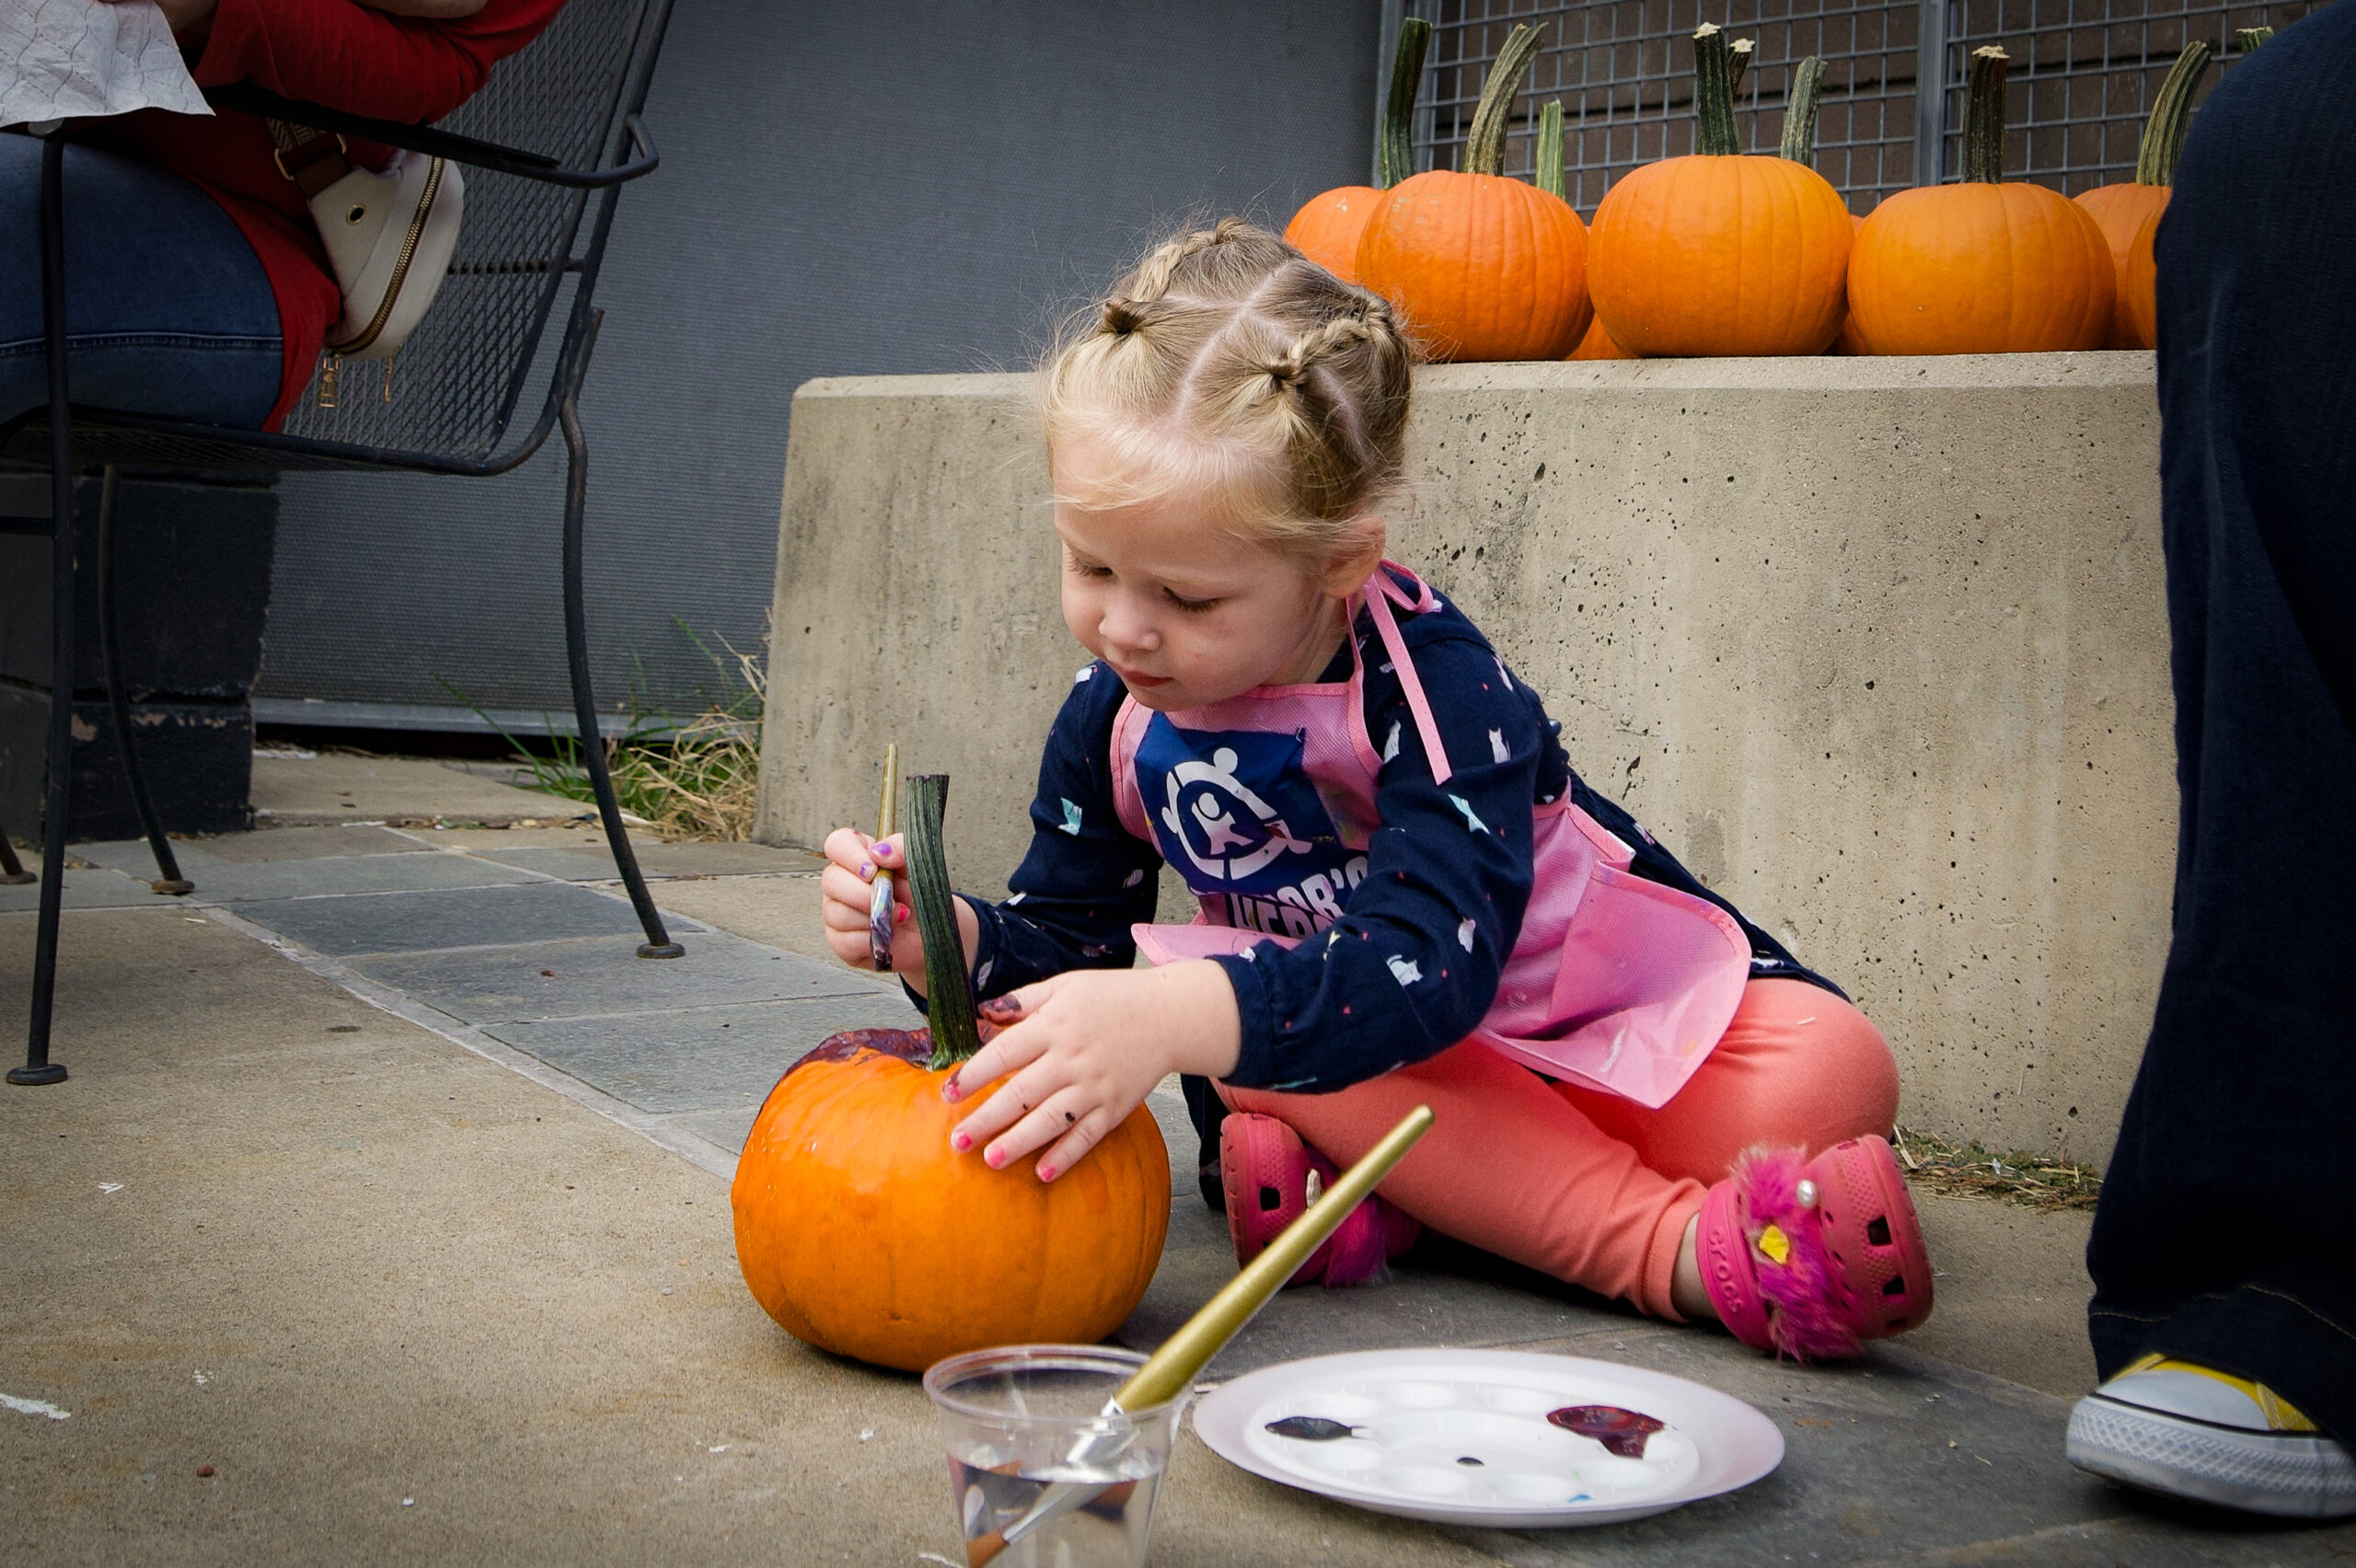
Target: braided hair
column 1226, row 361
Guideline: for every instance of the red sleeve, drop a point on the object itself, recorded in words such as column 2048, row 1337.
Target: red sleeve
column 344, row 55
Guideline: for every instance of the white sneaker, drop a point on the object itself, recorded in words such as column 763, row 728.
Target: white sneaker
column 2187, row 1431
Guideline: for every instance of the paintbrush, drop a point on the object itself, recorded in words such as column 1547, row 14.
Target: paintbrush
column 1169, row 1369
column 880, row 905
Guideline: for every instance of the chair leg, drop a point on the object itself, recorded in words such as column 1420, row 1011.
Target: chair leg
column 658, row 943
column 37, row 1068
column 12, row 870
column 168, row 867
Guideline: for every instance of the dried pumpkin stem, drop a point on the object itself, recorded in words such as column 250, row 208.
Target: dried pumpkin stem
column 1549, row 175
column 1983, row 118
column 1717, row 65
column 948, row 991
column 1485, row 150
column 1799, row 112
column 1395, row 158
column 2164, row 133
column 2250, row 37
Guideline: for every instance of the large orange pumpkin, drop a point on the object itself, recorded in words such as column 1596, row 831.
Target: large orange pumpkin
column 861, row 1232
column 1718, row 253
column 1330, row 223
column 1980, row 267
column 2121, row 210
column 1482, row 267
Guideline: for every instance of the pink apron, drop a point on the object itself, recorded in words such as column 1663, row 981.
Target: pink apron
column 1265, row 805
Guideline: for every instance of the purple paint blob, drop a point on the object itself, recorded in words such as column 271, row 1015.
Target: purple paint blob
column 1622, row 1432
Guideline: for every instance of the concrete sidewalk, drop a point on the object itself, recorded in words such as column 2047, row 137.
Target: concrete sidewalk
column 431, row 1279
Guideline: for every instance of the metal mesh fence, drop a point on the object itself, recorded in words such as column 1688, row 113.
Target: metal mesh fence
column 2081, row 82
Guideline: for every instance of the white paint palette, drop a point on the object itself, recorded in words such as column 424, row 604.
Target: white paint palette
column 1503, row 1438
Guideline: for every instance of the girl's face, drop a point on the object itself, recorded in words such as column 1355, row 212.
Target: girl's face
column 1186, row 612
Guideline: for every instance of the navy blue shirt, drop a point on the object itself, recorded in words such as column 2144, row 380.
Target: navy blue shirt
column 1414, row 961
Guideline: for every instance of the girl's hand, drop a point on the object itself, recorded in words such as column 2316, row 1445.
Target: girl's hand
column 846, row 890
column 1083, row 1050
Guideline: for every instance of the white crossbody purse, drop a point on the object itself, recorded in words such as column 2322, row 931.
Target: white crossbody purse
column 389, row 237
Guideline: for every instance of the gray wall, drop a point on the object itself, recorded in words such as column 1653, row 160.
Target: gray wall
column 892, row 187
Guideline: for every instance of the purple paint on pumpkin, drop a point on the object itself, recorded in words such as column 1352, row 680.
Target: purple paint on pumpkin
column 1622, row 1432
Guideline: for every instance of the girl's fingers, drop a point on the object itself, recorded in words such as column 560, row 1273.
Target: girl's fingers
column 1078, row 1138
column 1010, row 1051
column 1057, row 1115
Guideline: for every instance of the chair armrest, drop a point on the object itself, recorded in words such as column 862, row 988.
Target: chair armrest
column 250, row 99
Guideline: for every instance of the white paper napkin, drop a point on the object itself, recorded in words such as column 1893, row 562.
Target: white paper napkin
column 69, row 59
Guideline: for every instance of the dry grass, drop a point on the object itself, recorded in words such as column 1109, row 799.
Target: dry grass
column 685, row 779
column 2039, row 1181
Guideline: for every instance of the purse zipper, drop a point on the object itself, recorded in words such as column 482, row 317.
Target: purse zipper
column 400, row 267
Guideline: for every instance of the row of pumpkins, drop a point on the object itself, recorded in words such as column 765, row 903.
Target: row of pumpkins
column 1719, row 253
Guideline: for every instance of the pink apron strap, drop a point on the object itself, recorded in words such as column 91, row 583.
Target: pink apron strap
column 1380, row 591
column 1128, row 800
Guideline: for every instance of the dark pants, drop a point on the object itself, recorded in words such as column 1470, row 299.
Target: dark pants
column 2226, row 1233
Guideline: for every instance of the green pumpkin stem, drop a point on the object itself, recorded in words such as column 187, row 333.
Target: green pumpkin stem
column 1549, row 176
column 1485, row 150
column 949, row 992
column 1395, row 155
column 2164, row 133
column 1983, row 118
column 1799, row 112
column 2250, row 37
column 1718, row 65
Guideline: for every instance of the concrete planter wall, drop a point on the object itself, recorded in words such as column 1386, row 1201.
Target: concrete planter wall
column 1878, row 646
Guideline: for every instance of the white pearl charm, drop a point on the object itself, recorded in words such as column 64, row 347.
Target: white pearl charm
column 1806, row 1193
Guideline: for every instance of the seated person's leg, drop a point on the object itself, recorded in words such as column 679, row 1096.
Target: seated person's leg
column 168, row 310
column 1797, row 1066
column 1509, row 1167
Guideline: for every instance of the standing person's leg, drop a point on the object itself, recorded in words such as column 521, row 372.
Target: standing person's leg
column 168, row 310
column 2225, row 1236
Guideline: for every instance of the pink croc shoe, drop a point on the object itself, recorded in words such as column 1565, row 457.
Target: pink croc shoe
column 1809, row 1257
column 1271, row 1177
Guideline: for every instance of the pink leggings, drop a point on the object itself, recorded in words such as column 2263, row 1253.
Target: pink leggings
column 1590, row 1187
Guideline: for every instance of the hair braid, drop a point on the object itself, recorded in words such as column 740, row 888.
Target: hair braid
column 1228, row 364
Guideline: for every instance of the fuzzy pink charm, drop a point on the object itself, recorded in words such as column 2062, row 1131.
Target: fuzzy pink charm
column 1809, row 1257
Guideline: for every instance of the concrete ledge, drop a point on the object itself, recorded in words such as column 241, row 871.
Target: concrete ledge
column 1878, row 645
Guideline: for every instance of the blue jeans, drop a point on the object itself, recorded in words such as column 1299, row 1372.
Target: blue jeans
column 168, row 310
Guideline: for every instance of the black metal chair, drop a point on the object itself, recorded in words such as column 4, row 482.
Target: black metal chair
column 547, row 144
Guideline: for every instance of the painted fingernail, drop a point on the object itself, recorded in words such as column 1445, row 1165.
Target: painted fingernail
column 866, row 870
column 960, row 1143
column 994, row 1158
column 900, row 913
column 1048, row 1173
column 950, row 1092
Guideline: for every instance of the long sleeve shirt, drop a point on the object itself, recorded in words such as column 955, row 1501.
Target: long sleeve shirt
column 1333, row 1010
column 334, row 52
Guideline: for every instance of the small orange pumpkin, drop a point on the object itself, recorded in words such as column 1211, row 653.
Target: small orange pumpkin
column 1597, row 345
column 1328, row 226
column 1330, row 223
column 1850, row 340
column 860, row 1231
column 1482, row 267
column 2139, row 283
column 1718, row 253
column 1984, row 266
column 2121, row 210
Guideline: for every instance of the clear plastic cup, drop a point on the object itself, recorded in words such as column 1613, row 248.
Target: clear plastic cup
column 1026, row 1421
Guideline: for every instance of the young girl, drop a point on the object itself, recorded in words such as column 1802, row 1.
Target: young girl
column 1407, row 895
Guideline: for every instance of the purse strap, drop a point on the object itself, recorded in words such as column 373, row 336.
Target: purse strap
column 312, row 159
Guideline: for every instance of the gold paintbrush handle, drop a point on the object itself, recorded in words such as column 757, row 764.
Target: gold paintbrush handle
column 1171, row 1368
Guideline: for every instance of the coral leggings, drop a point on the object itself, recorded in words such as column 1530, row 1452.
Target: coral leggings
column 1590, row 1187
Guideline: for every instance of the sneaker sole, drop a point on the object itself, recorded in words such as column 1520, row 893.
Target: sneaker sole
column 2291, row 1475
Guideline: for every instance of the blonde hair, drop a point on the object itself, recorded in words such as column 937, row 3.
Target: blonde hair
column 1228, row 365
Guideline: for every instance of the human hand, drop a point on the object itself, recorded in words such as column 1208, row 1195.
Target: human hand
column 181, row 14
column 846, row 890
column 1082, row 1050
